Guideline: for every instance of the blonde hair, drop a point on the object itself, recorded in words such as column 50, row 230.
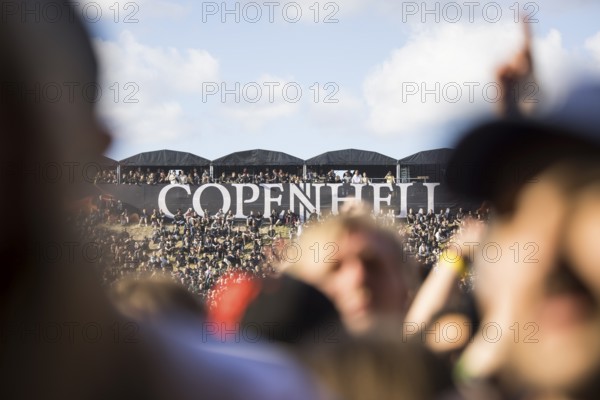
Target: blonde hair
column 355, row 219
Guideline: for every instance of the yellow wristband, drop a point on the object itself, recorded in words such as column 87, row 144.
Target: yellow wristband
column 458, row 265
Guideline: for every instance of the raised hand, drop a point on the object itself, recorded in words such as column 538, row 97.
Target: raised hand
column 516, row 78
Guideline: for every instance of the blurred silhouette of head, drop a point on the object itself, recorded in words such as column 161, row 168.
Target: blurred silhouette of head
column 358, row 264
column 49, row 136
column 542, row 177
column 290, row 311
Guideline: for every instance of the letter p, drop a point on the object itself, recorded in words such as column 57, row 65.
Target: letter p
column 209, row 8
column 209, row 89
column 409, row 89
column 409, row 8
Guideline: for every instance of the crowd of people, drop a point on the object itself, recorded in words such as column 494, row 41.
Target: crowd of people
column 428, row 233
column 198, row 250
column 195, row 251
column 197, row 176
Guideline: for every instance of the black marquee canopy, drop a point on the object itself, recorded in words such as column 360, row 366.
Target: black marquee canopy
column 351, row 157
column 106, row 162
column 370, row 162
column 436, row 156
column 429, row 165
column 257, row 157
column 165, row 158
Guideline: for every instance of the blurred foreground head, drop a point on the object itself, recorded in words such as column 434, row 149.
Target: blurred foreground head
column 48, row 138
column 358, row 264
column 543, row 179
column 49, row 86
column 48, row 90
column 291, row 312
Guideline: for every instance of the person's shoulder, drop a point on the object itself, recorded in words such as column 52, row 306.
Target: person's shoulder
column 260, row 371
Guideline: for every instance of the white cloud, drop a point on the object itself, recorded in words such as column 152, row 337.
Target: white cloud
column 557, row 68
column 153, row 85
column 166, row 68
column 592, row 44
column 456, row 61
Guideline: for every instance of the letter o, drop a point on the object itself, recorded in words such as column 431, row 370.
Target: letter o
column 484, row 332
column 484, row 252
column 284, row 12
column 254, row 5
column 458, row 89
column 284, row 92
column 298, row 254
column 198, row 193
column 254, row 329
column 498, row 12
column 454, row 5
column 90, row 338
column 458, row 332
column 256, row 87
column 498, row 92
column 85, row 14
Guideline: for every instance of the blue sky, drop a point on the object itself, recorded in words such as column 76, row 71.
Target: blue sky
column 398, row 80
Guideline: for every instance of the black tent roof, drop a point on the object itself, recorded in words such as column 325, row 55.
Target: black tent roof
column 348, row 157
column 257, row 157
column 437, row 156
column 164, row 158
column 106, row 161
